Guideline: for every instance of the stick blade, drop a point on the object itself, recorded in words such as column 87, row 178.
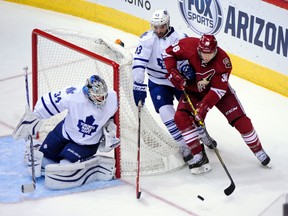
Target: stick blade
column 228, row 191
column 139, row 194
column 28, row 188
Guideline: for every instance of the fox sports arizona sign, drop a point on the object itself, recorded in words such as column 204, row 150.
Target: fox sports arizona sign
column 202, row 16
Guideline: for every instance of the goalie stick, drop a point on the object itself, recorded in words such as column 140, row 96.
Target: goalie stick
column 29, row 187
column 229, row 190
column 138, row 191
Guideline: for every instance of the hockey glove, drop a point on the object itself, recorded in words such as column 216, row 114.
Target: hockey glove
column 188, row 72
column 201, row 110
column 176, row 79
column 139, row 92
column 28, row 125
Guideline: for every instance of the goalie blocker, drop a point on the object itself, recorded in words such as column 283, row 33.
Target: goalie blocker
column 30, row 123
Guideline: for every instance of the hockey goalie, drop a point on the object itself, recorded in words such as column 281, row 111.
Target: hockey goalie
column 67, row 156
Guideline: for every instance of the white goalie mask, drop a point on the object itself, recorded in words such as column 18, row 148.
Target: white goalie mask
column 96, row 90
column 159, row 18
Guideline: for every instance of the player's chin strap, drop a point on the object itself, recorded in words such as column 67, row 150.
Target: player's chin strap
column 232, row 186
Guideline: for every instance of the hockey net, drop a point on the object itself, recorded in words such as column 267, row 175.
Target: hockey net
column 63, row 58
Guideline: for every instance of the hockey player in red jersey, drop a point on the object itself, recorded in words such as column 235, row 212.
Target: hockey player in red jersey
column 209, row 88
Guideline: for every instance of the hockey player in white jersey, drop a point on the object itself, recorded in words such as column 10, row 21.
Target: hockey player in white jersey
column 87, row 127
column 148, row 58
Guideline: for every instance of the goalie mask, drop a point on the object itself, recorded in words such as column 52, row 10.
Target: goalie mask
column 96, row 90
column 160, row 23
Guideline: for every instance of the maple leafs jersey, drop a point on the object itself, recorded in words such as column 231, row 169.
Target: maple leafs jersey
column 84, row 121
column 148, row 55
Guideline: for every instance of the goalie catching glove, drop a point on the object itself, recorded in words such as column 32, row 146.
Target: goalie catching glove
column 109, row 140
column 28, row 125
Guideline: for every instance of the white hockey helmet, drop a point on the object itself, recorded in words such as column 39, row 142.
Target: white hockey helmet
column 96, row 90
column 160, row 17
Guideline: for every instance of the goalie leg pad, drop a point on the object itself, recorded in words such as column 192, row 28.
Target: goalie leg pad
column 38, row 157
column 64, row 176
column 36, row 146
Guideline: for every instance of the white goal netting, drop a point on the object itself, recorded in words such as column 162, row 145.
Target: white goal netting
column 63, row 58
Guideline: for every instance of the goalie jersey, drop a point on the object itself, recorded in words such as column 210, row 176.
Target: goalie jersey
column 148, row 55
column 84, row 121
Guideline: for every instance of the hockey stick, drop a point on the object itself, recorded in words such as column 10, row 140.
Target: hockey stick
column 27, row 86
column 229, row 190
column 29, row 187
column 138, row 191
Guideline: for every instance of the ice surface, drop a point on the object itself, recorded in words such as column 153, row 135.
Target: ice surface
column 258, row 190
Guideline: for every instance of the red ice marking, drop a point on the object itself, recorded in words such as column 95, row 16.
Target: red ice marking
column 162, row 199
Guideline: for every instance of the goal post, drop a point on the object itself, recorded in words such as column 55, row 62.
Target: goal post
column 61, row 58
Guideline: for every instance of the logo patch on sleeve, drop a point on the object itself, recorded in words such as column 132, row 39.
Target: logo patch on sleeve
column 227, row 63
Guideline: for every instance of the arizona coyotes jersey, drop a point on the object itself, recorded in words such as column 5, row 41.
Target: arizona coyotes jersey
column 211, row 79
column 84, row 120
column 148, row 56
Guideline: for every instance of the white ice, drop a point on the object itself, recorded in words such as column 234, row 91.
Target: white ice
column 169, row 194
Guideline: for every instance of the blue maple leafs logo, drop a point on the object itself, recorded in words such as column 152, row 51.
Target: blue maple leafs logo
column 160, row 62
column 87, row 127
column 70, row 90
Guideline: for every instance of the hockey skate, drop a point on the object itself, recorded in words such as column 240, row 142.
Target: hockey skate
column 200, row 163
column 263, row 158
column 186, row 153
